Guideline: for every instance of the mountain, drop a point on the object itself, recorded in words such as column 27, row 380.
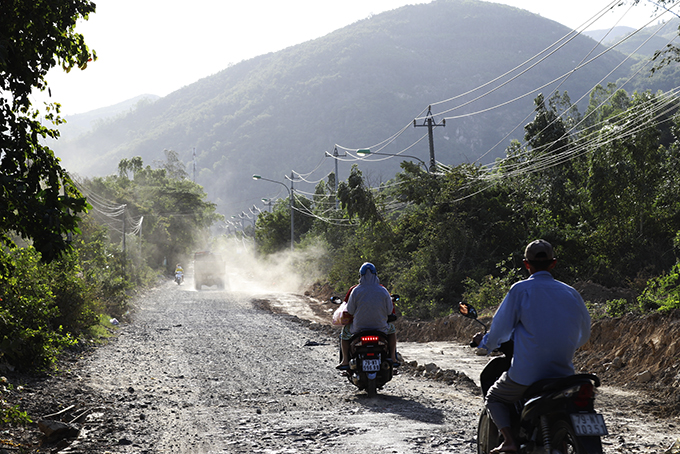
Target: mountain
column 355, row 87
column 609, row 34
column 646, row 41
column 79, row 124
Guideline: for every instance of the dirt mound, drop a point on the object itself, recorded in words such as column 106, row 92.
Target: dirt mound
column 598, row 294
column 639, row 353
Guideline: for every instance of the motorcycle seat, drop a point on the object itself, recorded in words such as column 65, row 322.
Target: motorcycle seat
column 554, row 384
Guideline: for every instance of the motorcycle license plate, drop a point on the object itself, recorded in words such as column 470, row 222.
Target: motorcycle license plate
column 370, row 365
column 586, row 424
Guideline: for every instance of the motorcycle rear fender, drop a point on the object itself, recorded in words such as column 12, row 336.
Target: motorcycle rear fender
column 590, row 445
column 552, row 399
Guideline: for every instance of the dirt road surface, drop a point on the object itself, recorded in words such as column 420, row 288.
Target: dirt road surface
column 212, row 372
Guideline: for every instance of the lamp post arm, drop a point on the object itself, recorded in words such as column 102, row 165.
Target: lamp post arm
column 403, row 156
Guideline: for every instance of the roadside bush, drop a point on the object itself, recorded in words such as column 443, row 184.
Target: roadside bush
column 620, row 307
column 12, row 414
column 73, row 296
column 30, row 336
column 662, row 293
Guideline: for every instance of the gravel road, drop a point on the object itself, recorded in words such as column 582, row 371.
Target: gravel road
column 211, row 372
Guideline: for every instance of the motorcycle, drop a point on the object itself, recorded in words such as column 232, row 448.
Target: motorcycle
column 555, row 416
column 370, row 367
column 179, row 277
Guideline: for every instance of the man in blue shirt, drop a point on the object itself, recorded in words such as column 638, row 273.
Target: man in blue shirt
column 548, row 322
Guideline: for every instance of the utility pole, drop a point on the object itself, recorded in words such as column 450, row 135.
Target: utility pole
column 124, row 250
column 292, row 211
column 141, row 220
column 194, row 156
column 429, row 122
column 335, row 155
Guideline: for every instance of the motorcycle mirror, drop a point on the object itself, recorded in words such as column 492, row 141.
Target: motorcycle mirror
column 336, row 300
column 467, row 310
column 395, row 298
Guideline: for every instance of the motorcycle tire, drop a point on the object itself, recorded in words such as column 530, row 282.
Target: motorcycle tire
column 487, row 434
column 371, row 388
column 563, row 439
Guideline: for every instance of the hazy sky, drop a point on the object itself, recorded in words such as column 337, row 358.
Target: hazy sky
column 159, row 46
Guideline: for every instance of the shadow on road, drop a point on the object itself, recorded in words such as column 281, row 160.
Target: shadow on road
column 401, row 406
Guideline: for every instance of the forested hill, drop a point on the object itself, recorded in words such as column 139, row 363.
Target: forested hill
column 356, row 87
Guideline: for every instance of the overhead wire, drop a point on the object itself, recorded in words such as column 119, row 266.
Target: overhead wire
column 603, row 102
column 488, row 109
column 555, row 90
column 588, row 22
column 610, row 130
column 566, row 38
column 501, row 162
column 561, row 158
column 555, row 160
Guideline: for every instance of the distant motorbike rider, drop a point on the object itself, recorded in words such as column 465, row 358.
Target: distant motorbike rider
column 370, row 304
column 179, row 272
column 548, row 321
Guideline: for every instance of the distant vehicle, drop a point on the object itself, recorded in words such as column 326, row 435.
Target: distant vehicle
column 209, row 270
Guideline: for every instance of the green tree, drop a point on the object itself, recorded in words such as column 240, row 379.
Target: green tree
column 38, row 200
column 272, row 230
column 175, row 210
column 627, row 174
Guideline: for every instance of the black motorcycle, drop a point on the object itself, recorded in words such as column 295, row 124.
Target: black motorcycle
column 555, row 416
column 370, row 367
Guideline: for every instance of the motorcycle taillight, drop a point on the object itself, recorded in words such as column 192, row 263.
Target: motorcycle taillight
column 369, row 339
column 585, row 396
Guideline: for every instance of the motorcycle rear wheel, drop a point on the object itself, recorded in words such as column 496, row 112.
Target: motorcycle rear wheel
column 487, row 434
column 563, row 440
column 371, row 388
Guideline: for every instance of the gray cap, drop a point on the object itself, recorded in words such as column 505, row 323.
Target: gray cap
column 539, row 251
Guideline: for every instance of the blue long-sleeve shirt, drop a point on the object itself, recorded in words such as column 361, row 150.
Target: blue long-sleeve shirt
column 547, row 321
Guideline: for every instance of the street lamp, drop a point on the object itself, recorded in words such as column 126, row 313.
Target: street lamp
column 335, row 156
column 240, row 218
column 244, row 215
column 268, row 202
column 290, row 198
column 365, row 152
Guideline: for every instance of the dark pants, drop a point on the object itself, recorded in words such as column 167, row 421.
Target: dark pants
column 501, row 396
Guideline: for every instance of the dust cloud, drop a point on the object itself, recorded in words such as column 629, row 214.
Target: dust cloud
column 287, row 271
